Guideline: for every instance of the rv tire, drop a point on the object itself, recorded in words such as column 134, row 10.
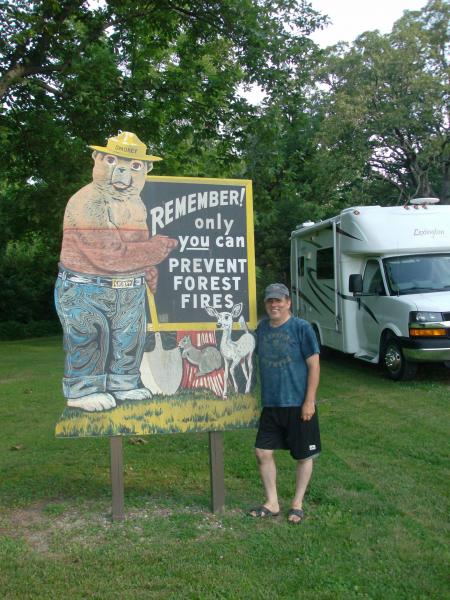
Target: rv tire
column 394, row 362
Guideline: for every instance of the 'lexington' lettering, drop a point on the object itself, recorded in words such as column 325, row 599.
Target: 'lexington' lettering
column 431, row 232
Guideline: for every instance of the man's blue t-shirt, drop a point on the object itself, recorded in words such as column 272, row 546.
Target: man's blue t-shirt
column 282, row 352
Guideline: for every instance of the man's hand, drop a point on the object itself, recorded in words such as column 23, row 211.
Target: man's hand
column 308, row 410
column 309, row 405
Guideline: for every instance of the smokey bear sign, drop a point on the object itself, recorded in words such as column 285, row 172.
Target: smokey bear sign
column 156, row 297
column 212, row 265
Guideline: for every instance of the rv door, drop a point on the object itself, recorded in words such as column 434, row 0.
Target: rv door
column 371, row 309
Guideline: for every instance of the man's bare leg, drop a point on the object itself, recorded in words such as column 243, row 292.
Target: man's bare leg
column 268, row 472
column 304, row 472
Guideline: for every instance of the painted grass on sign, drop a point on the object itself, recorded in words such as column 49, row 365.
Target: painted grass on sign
column 195, row 411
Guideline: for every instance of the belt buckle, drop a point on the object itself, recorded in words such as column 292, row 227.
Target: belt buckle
column 122, row 283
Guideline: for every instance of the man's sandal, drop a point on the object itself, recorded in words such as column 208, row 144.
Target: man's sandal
column 262, row 512
column 296, row 512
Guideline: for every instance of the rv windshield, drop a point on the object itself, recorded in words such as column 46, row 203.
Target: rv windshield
column 418, row 274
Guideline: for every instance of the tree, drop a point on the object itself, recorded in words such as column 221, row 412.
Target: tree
column 384, row 106
column 278, row 151
column 352, row 125
column 72, row 73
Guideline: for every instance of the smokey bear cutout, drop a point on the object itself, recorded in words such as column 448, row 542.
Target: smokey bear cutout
column 108, row 258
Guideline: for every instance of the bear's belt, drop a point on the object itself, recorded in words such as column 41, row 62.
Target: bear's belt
column 111, row 282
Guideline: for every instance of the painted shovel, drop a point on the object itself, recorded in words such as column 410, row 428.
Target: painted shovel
column 161, row 370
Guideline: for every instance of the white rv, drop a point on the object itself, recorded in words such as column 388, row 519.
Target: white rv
column 375, row 282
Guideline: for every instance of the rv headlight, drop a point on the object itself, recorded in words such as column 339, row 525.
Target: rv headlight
column 423, row 323
column 423, row 316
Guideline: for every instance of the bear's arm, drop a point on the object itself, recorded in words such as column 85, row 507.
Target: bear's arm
column 106, row 252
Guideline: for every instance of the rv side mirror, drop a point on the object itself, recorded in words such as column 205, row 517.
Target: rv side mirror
column 355, row 284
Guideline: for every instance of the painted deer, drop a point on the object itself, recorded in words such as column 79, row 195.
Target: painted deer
column 240, row 351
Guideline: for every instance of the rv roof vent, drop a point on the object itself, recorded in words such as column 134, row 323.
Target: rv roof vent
column 424, row 200
column 307, row 223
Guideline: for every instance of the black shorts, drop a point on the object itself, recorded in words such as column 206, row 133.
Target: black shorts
column 283, row 429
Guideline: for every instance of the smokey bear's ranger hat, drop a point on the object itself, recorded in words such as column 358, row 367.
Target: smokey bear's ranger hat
column 127, row 145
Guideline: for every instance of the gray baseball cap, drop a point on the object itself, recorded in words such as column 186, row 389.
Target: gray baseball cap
column 276, row 290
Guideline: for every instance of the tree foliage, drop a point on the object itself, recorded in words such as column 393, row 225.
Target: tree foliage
column 277, row 154
column 384, row 106
column 72, row 73
column 354, row 124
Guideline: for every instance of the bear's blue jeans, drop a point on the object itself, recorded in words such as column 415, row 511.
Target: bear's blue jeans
column 104, row 336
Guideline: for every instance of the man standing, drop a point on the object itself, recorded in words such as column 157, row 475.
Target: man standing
column 289, row 368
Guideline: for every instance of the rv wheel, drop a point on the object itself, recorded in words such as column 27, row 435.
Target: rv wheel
column 395, row 364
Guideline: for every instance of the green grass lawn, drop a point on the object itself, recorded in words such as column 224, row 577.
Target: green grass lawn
column 376, row 513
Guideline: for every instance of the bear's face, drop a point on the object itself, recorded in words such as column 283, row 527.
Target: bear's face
column 122, row 174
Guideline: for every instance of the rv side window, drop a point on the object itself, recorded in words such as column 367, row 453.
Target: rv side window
column 373, row 280
column 325, row 264
column 301, row 266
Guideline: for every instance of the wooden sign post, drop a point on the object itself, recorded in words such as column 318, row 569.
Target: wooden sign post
column 217, row 471
column 216, row 463
column 118, row 505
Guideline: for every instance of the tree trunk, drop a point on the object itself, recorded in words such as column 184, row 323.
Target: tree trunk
column 445, row 186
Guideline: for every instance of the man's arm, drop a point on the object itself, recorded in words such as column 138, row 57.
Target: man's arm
column 309, row 405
